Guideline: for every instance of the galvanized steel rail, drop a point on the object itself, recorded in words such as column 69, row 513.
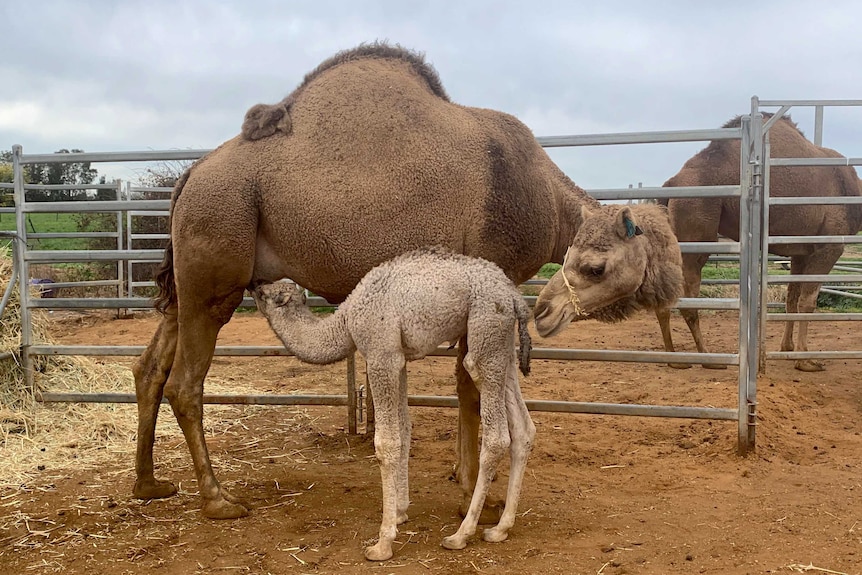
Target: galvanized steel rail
column 766, row 240
column 744, row 413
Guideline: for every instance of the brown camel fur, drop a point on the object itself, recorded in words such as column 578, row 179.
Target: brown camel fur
column 703, row 219
column 623, row 259
column 367, row 159
column 401, row 311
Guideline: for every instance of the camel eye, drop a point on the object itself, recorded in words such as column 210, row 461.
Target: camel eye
column 592, row 271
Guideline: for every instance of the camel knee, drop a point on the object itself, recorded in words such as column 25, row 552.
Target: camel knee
column 471, row 368
column 494, row 446
column 184, row 402
column 522, row 444
column 388, row 449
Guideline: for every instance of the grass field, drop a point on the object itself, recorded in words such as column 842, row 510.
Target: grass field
column 48, row 223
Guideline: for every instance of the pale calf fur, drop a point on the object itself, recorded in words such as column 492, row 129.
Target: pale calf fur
column 401, row 311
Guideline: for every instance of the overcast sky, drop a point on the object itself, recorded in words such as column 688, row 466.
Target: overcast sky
column 155, row 74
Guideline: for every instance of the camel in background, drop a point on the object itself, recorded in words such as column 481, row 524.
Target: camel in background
column 401, row 311
column 367, row 159
column 703, row 219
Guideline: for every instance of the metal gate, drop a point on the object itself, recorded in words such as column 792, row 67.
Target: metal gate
column 749, row 191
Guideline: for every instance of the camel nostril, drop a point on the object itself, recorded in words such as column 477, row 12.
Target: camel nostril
column 592, row 271
column 540, row 309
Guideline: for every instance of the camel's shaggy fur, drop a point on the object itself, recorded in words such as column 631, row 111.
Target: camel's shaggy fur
column 401, row 311
column 623, row 259
column 703, row 219
column 376, row 162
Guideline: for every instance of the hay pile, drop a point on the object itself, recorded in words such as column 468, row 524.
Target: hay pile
column 34, row 436
column 40, row 440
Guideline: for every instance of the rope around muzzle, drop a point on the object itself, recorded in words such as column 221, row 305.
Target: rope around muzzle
column 573, row 295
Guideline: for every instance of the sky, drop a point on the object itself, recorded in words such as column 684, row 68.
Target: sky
column 104, row 75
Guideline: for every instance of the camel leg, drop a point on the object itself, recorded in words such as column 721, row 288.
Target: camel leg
column 692, row 268
column 495, row 441
column 151, row 372
column 384, row 375
column 522, row 432
column 467, row 467
column 199, row 325
column 791, row 305
column 663, row 316
column 692, row 318
column 820, row 262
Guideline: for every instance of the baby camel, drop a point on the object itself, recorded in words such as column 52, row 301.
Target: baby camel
column 401, row 311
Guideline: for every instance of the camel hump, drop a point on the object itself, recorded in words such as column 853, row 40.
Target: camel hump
column 263, row 120
column 381, row 50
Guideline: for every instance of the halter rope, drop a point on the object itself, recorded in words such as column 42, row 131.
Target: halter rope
column 573, row 296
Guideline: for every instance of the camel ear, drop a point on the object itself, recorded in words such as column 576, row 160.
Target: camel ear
column 585, row 213
column 628, row 228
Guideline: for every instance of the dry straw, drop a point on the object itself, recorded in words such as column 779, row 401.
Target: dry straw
column 38, row 440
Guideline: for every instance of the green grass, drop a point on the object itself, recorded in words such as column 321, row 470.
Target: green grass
column 548, row 270
column 48, row 223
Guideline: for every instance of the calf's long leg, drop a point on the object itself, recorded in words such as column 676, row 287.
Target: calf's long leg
column 522, row 432
column 384, row 374
column 495, row 441
column 467, row 467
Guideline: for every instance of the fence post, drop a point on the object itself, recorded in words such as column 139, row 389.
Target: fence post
column 23, row 267
column 351, row 393
column 118, row 196
column 751, row 158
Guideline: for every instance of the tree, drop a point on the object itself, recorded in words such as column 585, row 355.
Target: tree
column 59, row 173
column 6, row 174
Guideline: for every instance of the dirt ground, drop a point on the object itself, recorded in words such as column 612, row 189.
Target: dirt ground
column 602, row 495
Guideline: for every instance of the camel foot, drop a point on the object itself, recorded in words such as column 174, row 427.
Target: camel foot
column 226, row 507
column 491, row 511
column 153, row 489
column 680, row 365
column 454, row 542
column 495, row 534
column 402, row 518
column 381, row 551
column 714, row 366
column 809, row 365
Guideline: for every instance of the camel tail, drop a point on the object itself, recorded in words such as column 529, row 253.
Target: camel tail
column 165, row 281
column 263, row 120
column 167, row 295
column 523, row 314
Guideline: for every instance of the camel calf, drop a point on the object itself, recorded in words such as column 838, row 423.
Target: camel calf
column 401, row 311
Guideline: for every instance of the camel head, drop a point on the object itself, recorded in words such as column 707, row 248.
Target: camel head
column 605, row 263
column 269, row 296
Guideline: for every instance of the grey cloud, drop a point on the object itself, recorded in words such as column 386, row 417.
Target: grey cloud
column 182, row 73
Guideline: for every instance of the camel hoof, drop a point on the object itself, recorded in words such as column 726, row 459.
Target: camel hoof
column 153, row 489
column 454, row 542
column 402, row 518
column 809, row 365
column 378, row 552
column 495, row 535
column 680, row 365
column 491, row 511
column 714, row 366
column 223, row 509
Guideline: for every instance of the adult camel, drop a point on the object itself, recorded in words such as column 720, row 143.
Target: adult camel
column 367, row 159
column 703, row 219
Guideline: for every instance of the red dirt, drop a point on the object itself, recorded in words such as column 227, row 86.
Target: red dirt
column 602, row 494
